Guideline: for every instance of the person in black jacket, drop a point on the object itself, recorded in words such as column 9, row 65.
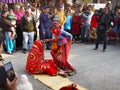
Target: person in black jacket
column 104, row 23
column 5, row 26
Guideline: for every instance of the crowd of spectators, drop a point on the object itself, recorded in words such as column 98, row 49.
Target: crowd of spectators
column 22, row 24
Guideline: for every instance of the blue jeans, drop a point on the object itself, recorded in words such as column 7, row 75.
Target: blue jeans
column 28, row 39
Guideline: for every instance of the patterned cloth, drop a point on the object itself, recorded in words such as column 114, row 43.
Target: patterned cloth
column 36, row 63
column 63, row 37
column 60, row 57
column 13, row 1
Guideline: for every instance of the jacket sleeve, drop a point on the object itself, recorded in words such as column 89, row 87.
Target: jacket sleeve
column 8, row 23
column 66, row 34
column 41, row 24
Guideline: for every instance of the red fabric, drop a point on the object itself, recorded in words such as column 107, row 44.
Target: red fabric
column 37, row 64
column 56, row 31
column 35, row 55
column 69, row 87
column 75, row 29
column 112, row 34
column 48, row 66
column 94, row 21
column 60, row 57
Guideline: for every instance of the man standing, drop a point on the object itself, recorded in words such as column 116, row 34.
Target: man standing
column 44, row 27
column 29, row 29
column 102, row 28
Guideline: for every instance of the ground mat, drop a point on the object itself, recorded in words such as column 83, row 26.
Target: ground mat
column 55, row 82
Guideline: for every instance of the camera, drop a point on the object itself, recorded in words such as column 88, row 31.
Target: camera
column 6, row 71
column 9, row 71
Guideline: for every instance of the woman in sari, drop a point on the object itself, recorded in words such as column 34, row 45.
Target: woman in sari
column 36, row 63
column 60, row 55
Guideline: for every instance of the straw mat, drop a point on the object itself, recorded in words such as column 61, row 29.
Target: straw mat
column 55, row 82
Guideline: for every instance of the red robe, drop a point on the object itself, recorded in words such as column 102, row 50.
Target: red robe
column 75, row 29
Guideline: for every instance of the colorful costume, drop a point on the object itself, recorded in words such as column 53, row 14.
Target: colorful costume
column 36, row 63
column 60, row 56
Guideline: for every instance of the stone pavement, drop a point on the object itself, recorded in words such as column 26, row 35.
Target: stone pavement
column 96, row 70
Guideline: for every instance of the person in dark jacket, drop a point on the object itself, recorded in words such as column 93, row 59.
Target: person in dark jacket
column 7, row 32
column 44, row 27
column 104, row 23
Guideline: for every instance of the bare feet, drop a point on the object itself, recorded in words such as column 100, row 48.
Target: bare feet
column 62, row 73
column 72, row 73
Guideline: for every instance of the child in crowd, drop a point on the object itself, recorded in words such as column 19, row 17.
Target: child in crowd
column 92, row 35
column 75, row 29
column 67, row 25
column 11, row 16
column 112, row 36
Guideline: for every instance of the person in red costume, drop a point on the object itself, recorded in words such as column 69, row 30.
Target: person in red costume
column 60, row 55
column 59, row 64
column 36, row 63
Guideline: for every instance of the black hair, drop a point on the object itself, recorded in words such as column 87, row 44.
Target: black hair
column 3, row 12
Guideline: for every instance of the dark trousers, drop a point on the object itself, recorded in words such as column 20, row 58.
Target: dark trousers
column 19, row 39
column 47, row 35
column 101, row 35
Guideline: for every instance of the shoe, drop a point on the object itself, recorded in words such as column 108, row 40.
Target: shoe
column 14, row 51
column 95, row 48
column 103, row 50
column 72, row 73
column 10, row 53
column 24, row 51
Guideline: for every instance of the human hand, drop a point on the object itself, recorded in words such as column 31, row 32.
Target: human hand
column 14, row 26
column 43, row 33
column 11, row 85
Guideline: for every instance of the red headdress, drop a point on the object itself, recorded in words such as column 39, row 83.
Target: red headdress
column 55, row 28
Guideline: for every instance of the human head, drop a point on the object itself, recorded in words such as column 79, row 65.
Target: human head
column 46, row 9
column 80, row 7
column 28, row 12
column 67, row 13
column 4, row 13
column 69, row 7
column 54, row 10
column 17, row 8
column 22, row 8
column 10, row 11
column 60, row 6
column 106, row 9
column 55, row 28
